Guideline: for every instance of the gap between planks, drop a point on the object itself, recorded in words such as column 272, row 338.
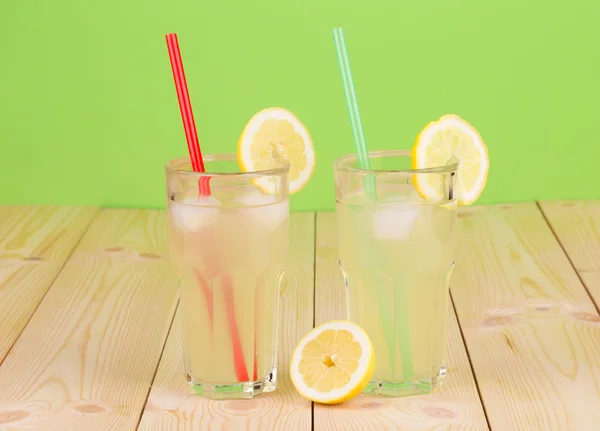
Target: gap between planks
column 569, row 214
column 160, row 358
column 476, row 380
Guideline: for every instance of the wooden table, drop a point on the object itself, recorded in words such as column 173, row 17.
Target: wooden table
column 90, row 340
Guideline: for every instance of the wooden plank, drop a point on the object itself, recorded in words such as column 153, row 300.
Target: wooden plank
column 577, row 226
column 531, row 330
column 171, row 407
column 88, row 356
column 454, row 406
column 35, row 242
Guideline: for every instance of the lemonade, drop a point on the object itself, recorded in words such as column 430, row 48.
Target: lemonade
column 229, row 250
column 396, row 255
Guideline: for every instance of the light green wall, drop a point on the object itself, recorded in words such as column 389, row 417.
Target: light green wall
column 88, row 112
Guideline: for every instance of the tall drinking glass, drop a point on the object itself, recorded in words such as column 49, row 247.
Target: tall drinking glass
column 396, row 255
column 229, row 250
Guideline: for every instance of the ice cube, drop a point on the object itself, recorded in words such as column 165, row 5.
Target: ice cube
column 271, row 216
column 192, row 214
column 265, row 208
column 255, row 197
column 394, row 220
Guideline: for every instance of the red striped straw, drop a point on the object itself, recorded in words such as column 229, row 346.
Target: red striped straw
column 191, row 136
column 185, row 106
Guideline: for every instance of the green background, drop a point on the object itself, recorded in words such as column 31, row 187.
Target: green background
column 88, row 113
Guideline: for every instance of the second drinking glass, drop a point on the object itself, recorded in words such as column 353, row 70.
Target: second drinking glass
column 396, row 255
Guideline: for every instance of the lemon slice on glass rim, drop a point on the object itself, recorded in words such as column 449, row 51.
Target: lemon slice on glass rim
column 273, row 135
column 451, row 139
column 333, row 362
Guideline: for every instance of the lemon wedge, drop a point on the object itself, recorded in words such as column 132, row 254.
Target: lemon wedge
column 333, row 363
column 270, row 136
column 441, row 141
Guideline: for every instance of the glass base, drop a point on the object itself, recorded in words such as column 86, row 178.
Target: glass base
column 230, row 391
column 405, row 388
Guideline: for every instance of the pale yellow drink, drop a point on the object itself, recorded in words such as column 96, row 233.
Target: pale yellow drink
column 396, row 254
column 229, row 250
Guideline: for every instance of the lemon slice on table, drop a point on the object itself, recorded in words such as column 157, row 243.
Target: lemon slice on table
column 333, row 363
column 272, row 135
column 439, row 142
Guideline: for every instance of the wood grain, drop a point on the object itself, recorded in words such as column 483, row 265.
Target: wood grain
column 454, row 406
column 577, row 226
column 35, row 242
column 87, row 358
column 171, row 407
column 531, row 330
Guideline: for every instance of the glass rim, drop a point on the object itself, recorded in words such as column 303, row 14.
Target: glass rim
column 345, row 162
column 172, row 167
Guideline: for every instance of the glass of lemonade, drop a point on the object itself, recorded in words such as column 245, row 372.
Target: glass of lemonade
column 396, row 256
column 229, row 250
